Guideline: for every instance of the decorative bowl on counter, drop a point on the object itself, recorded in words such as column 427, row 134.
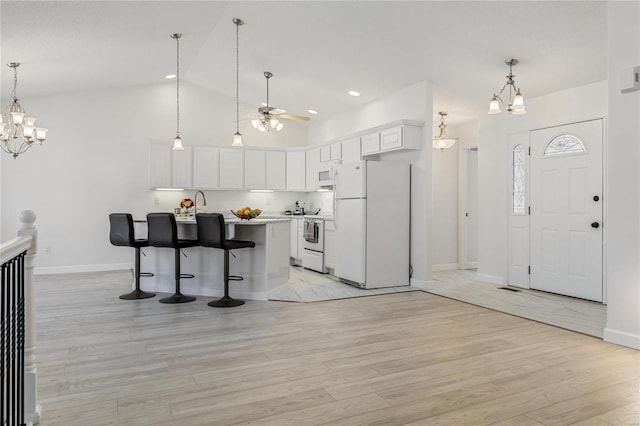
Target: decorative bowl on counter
column 246, row 213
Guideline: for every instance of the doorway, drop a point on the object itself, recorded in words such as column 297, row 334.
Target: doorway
column 468, row 224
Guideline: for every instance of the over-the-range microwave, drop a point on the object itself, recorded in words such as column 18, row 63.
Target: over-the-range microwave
column 325, row 173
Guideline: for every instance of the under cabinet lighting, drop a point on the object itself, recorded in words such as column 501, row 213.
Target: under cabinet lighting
column 261, row 190
column 169, row 189
column 322, row 190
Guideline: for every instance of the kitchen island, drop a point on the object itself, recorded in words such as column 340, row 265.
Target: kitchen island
column 264, row 267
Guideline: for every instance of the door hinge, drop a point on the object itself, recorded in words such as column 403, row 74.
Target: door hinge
column 529, row 270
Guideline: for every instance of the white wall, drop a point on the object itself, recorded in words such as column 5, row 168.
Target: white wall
column 567, row 106
column 411, row 103
column 623, row 181
column 95, row 162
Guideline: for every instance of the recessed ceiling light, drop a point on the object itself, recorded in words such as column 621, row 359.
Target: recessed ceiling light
column 170, row 76
column 354, row 93
column 313, row 111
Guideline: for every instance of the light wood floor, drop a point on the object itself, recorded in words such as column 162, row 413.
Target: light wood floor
column 404, row 358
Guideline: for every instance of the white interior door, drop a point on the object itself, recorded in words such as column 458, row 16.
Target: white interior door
column 566, row 210
column 472, row 209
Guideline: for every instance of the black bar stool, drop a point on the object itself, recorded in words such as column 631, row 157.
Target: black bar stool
column 163, row 232
column 212, row 233
column 122, row 234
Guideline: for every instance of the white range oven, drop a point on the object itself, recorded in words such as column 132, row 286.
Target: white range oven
column 313, row 244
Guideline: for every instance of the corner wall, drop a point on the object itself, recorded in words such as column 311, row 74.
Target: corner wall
column 623, row 186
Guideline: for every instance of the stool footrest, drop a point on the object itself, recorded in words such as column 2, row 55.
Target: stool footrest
column 235, row 278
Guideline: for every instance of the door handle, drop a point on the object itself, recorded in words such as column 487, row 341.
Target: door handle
column 595, row 225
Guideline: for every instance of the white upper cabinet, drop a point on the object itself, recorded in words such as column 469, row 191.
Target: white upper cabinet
column 371, row 143
column 325, row 153
column 296, row 166
column 276, row 170
column 336, row 151
column 231, row 168
column 205, row 167
column 255, row 169
column 312, row 163
column 351, row 150
column 182, row 168
column 159, row 166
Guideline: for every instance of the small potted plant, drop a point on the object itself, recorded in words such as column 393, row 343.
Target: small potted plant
column 187, row 205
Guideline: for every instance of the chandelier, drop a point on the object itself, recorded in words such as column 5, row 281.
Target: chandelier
column 18, row 131
column 265, row 121
column 443, row 141
column 177, row 141
column 237, row 137
column 516, row 104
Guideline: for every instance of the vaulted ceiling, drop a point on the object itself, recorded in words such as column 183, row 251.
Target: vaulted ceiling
column 317, row 50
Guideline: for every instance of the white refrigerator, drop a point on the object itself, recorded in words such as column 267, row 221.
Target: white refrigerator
column 372, row 221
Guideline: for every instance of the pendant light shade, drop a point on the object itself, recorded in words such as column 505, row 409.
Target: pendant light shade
column 443, row 141
column 177, row 141
column 237, row 137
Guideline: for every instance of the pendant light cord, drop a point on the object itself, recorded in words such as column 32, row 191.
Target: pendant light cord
column 238, row 76
column 177, row 37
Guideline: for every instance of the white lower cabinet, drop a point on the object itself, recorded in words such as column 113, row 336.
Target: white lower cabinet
column 293, row 238
column 329, row 245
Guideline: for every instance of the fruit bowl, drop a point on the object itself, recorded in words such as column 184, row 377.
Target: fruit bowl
column 246, row 213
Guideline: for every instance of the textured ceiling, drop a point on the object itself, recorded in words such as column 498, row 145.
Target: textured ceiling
column 317, row 50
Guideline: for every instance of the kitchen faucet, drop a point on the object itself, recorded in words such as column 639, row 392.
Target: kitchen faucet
column 195, row 202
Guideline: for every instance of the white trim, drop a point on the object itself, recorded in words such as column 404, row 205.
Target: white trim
column 421, row 284
column 444, row 267
column 492, row 279
column 55, row 270
column 621, row 338
column 12, row 248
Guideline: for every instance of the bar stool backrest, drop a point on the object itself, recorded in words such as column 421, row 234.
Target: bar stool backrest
column 121, row 232
column 162, row 228
column 211, row 230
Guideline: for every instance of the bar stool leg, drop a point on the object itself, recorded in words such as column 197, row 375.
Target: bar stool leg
column 137, row 293
column 226, row 301
column 178, row 297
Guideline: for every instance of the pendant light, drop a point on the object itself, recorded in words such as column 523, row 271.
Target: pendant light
column 18, row 131
column 237, row 137
column 516, row 105
column 443, row 141
column 177, row 141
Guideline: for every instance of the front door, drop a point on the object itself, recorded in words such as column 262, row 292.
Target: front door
column 566, row 210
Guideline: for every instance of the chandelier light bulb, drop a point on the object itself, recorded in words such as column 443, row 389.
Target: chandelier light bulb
column 494, row 106
column 41, row 133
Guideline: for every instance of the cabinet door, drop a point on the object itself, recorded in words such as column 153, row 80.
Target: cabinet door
column 276, row 170
column 205, row 167
column 159, row 166
column 312, row 163
column 391, row 139
column 351, row 150
column 325, row 153
column 293, row 238
column 231, row 168
column 300, row 237
column 182, row 168
column 336, row 151
column 255, row 169
column 329, row 244
column 371, row 143
column 296, row 171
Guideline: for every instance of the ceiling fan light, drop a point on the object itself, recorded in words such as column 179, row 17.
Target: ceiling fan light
column 177, row 144
column 279, row 127
column 255, row 123
column 274, row 123
column 494, row 106
column 261, row 128
column 237, row 139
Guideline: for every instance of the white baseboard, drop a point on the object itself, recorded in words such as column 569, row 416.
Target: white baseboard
column 421, row 284
column 55, row 270
column 444, row 267
column 493, row 279
column 621, row 338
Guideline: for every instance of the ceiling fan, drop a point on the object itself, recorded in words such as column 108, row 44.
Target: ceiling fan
column 268, row 116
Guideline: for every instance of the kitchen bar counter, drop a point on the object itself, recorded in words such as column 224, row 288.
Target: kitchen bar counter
column 264, row 267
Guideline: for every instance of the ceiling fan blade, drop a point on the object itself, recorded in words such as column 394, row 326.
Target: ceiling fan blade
column 294, row 117
column 277, row 111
